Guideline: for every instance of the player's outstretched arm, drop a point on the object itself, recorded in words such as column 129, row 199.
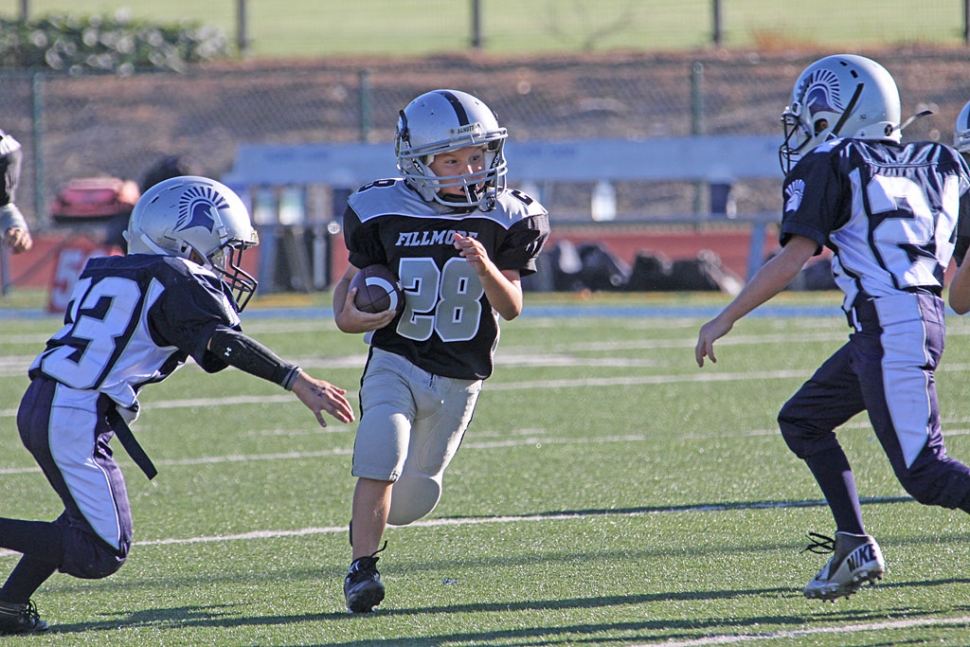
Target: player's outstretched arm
column 773, row 277
column 248, row 355
column 320, row 396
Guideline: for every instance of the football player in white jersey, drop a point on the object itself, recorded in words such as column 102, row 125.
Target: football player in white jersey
column 13, row 227
column 459, row 240
column 893, row 214
column 133, row 320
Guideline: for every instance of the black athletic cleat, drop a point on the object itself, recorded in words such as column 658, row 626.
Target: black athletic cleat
column 20, row 619
column 857, row 560
column 363, row 588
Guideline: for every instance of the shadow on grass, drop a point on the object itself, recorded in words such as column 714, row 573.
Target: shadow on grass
column 228, row 616
column 225, row 617
column 314, row 573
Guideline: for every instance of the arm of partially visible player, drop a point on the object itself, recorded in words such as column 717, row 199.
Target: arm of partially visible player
column 16, row 236
column 347, row 316
column 13, row 226
column 248, row 355
column 959, row 290
column 502, row 287
column 773, row 277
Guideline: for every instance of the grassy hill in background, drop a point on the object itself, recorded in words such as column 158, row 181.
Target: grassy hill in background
column 295, row 28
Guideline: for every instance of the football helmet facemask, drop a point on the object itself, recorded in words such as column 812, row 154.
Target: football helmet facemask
column 839, row 96
column 447, row 120
column 198, row 219
column 961, row 130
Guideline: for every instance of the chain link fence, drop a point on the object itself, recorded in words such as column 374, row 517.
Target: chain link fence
column 120, row 125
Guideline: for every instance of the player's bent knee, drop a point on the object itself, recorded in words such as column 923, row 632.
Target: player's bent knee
column 802, row 439
column 948, row 491
column 922, row 494
column 413, row 497
column 793, row 437
column 89, row 558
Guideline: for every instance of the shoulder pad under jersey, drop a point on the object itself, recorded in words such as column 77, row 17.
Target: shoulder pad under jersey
column 389, row 197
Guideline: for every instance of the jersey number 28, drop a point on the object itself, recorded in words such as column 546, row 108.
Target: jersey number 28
column 445, row 301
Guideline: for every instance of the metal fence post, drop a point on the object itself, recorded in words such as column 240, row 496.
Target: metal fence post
column 718, row 23
column 365, row 100
column 4, row 271
column 37, row 88
column 697, row 120
column 966, row 22
column 478, row 40
column 242, row 37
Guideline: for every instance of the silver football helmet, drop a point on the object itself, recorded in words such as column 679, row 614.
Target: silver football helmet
column 200, row 220
column 839, row 96
column 447, row 120
column 961, row 130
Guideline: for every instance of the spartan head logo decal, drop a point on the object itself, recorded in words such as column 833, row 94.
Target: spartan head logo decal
column 198, row 207
column 795, row 192
column 822, row 93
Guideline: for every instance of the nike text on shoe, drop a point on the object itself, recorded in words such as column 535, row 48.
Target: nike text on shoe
column 363, row 588
column 20, row 619
column 857, row 560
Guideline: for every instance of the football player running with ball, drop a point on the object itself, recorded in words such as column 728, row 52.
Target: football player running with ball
column 891, row 213
column 459, row 240
column 133, row 320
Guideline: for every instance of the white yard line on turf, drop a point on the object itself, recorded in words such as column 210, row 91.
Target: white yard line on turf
column 496, row 386
column 734, row 639
column 477, row 521
column 508, row 386
column 534, row 439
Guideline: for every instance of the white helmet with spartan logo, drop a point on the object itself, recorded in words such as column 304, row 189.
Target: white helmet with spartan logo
column 198, row 219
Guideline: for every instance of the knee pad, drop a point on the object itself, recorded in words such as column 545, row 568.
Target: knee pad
column 947, row 488
column 413, row 496
column 793, row 436
column 803, row 440
column 89, row 558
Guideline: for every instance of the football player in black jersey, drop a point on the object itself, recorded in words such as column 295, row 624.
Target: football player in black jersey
column 133, row 320
column 959, row 290
column 893, row 214
column 13, row 227
column 459, row 240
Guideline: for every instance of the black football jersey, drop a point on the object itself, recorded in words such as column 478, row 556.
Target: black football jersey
column 891, row 213
column 133, row 320
column 447, row 326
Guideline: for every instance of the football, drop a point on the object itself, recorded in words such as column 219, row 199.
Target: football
column 378, row 289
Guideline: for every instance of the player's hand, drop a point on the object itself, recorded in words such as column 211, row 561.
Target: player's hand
column 474, row 252
column 710, row 332
column 320, row 396
column 351, row 319
column 17, row 240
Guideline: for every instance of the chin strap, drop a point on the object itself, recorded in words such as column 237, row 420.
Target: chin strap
column 918, row 115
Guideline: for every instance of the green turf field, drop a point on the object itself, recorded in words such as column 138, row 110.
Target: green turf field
column 386, row 27
column 608, row 494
